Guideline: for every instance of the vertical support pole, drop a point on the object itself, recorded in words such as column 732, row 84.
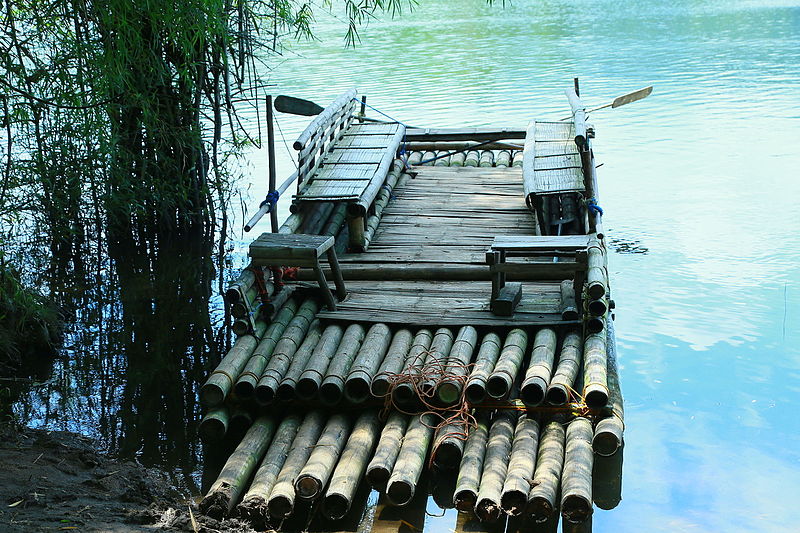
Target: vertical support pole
column 273, row 213
column 341, row 291
column 323, row 285
column 363, row 108
column 577, row 86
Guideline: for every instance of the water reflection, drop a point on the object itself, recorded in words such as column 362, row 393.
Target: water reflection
column 142, row 336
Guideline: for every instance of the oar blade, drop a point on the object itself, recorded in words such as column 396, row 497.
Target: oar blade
column 630, row 97
column 296, row 106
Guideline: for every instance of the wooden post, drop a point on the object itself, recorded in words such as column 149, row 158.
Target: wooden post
column 357, row 228
column 311, row 480
column 254, row 503
column 273, row 214
column 576, row 490
column 380, row 467
column 547, row 475
column 310, row 379
column 495, row 466
column 540, row 370
column 505, row 371
column 475, row 390
column 338, row 280
column 410, row 461
column 225, row 492
column 352, row 465
column 569, row 361
column 521, row 466
column 471, row 467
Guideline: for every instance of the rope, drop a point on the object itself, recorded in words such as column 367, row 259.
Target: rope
column 271, row 199
column 591, row 204
column 261, row 284
column 381, row 112
column 285, row 144
column 403, row 151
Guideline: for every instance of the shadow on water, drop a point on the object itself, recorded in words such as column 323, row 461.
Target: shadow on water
column 141, row 334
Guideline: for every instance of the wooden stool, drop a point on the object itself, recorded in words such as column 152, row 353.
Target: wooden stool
column 294, row 249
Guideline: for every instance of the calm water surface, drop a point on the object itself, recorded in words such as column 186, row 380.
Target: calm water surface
column 700, row 192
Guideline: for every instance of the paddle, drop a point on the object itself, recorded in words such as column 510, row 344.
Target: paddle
column 297, row 106
column 622, row 100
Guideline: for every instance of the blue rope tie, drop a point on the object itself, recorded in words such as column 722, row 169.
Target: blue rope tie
column 271, row 199
column 591, row 204
column 381, row 112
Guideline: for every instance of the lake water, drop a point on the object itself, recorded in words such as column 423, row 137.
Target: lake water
column 700, row 192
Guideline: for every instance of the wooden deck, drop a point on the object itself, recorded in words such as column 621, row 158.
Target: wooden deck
column 440, row 220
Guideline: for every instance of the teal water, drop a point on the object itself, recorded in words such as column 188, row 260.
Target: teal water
column 702, row 176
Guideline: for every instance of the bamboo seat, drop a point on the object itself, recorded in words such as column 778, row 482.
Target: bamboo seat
column 279, row 249
column 571, row 250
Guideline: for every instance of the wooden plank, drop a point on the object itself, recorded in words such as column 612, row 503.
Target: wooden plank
column 463, row 134
column 280, row 246
column 334, row 189
column 533, row 243
column 344, row 172
column 366, row 141
column 359, row 156
column 557, row 161
column 529, row 154
column 373, row 128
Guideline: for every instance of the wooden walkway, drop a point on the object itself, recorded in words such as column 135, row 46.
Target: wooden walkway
column 443, row 218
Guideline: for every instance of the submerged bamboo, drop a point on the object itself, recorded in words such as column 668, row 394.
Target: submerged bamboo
column 576, row 490
column 382, row 464
column 541, row 367
column 225, row 492
column 436, row 359
column 508, row 364
column 449, row 390
column 285, row 348
column 495, row 466
column 569, row 309
column 471, row 467
column 332, row 387
column 608, row 432
column 366, row 363
column 569, row 360
column 254, row 503
column 214, row 424
column 392, row 364
column 286, row 389
column 247, row 379
column 352, row 465
column 281, row 500
column 311, row 480
column 448, row 444
column 595, row 378
column 475, row 389
column 521, row 466
column 410, row 461
column 310, row 379
column 221, row 381
column 547, row 475
column 404, row 392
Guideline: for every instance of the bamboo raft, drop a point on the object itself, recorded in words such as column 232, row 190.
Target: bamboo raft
column 469, row 350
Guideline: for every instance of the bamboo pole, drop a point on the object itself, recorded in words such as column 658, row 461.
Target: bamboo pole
column 311, row 378
column 508, row 364
column 518, row 159
column 541, row 367
column 487, row 159
column 448, row 444
column 547, row 475
column 597, row 307
column 221, row 381
column 595, row 375
column 436, row 359
column 569, row 311
column 356, row 228
column 331, row 389
column 214, row 424
column 392, row 364
column 444, row 160
column 336, row 220
column 237, row 288
column 254, row 503
column 471, row 467
column 576, row 490
column 382, row 464
column 281, row 499
column 607, row 479
column 312, row 479
column 608, row 433
column 285, row 348
column 315, row 221
column 224, row 493
column 404, row 392
column 248, row 377
column 475, row 390
column 449, row 391
column 457, row 159
column 292, row 223
column 596, row 275
column 352, row 465
column 286, row 389
column 569, row 361
column 521, row 466
column 240, row 421
column 426, row 158
column 495, row 466
column 410, row 461
column 596, row 324
column 503, row 159
column 367, row 363
column 472, row 159
column 414, row 158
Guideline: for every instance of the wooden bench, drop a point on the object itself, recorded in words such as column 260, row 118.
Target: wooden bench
column 505, row 296
column 295, row 249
